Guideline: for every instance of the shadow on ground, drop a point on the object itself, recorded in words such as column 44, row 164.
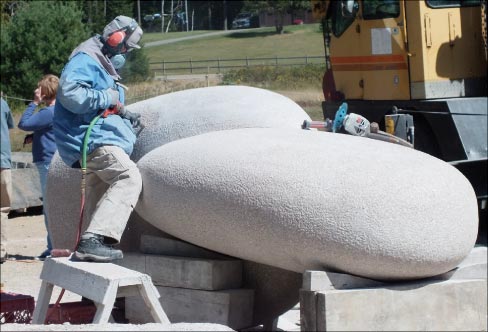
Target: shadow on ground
column 30, row 211
column 253, row 34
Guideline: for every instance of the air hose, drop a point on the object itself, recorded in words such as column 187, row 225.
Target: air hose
column 67, row 252
column 83, row 174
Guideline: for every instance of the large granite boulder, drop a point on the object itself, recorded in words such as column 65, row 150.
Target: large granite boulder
column 192, row 112
column 167, row 118
column 304, row 200
column 172, row 117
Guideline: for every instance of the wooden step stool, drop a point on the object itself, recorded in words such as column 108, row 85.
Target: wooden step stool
column 100, row 282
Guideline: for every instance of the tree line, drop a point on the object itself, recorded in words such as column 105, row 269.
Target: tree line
column 37, row 37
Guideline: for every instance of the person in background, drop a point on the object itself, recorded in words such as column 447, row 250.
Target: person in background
column 42, row 138
column 89, row 86
column 6, row 123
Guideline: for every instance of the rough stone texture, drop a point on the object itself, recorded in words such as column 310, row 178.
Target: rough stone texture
column 192, row 112
column 172, row 117
column 304, row 200
column 167, row 118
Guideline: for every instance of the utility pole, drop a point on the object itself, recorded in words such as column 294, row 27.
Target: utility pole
column 225, row 14
column 162, row 16
column 139, row 12
column 186, row 14
column 209, row 16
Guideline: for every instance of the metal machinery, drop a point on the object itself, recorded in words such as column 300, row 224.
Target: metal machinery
column 414, row 60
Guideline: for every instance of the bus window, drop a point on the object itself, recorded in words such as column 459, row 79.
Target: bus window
column 379, row 9
column 452, row 3
column 343, row 13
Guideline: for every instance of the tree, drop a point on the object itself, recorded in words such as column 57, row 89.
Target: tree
column 276, row 7
column 97, row 13
column 36, row 41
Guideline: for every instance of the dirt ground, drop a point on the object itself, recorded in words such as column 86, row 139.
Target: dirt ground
column 20, row 273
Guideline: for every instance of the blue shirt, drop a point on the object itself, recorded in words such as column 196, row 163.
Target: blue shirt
column 81, row 96
column 6, row 123
column 41, row 123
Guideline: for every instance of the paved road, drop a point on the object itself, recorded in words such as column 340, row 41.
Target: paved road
column 203, row 35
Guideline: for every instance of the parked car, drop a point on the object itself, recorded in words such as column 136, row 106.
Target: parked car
column 245, row 20
column 150, row 18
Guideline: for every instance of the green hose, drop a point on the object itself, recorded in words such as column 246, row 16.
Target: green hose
column 83, row 161
column 85, row 141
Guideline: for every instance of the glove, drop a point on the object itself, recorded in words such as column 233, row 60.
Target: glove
column 134, row 118
column 114, row 95
column 28, row 139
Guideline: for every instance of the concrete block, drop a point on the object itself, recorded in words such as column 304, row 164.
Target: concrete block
column 418, row 306
column 478, row 254
column 157, row 245
column 308, row 310
column 185, row 272
column 474, row 266
column 134, row 261
column 322, row 280
column 232, row 308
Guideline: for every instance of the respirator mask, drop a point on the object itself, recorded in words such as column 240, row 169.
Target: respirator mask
column 118, row 61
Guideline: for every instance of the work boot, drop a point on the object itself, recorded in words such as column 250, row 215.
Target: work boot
column 93, row 248
column 43, row 255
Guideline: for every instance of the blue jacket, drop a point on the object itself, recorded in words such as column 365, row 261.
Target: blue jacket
column 41, row 123
column 81, row 96
column 6, row 123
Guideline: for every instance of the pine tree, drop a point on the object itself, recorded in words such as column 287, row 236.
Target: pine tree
column 38, row 40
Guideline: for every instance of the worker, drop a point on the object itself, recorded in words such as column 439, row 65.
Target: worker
column 89, row 84
column 6, row 123
column 42, row 138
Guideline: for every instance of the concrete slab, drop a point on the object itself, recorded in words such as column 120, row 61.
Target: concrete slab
column 116, row 327
column 158, row 245
column 321, row 281
column 474, row 266
column 186, row 272
column 459, row 305
column 232, row 308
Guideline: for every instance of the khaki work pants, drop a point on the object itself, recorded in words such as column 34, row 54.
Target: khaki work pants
column 113, row 186
column 5, row 198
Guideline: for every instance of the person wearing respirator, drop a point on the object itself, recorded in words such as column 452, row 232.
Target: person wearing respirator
column 89, row 85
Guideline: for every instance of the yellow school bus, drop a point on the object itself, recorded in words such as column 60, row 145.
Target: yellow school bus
column 402, row 50
column 423, row 62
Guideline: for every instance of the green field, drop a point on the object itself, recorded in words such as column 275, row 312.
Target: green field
column 297, row 40
column 155, row 36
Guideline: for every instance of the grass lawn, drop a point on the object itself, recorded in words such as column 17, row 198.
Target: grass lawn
column 297, row 40
column 156, row 36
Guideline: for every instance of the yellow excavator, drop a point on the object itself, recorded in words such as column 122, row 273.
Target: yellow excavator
column 418, row 69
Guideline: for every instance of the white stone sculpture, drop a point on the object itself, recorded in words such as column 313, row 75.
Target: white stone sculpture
column 303, row 200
